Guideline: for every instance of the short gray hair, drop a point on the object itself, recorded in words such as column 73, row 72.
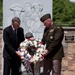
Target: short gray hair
column 16, row 19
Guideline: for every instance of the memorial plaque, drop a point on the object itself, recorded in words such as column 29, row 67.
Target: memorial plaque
column 69, row 39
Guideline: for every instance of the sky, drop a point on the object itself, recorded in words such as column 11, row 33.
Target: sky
column 72, row 0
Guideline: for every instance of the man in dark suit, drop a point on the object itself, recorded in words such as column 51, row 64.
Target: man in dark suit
column 13, row 35
column 52, row 37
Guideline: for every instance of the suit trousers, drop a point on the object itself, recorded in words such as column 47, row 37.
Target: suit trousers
column 52, row 65
column 11, row 67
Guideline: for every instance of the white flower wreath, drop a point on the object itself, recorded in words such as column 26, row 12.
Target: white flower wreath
column 32, row 50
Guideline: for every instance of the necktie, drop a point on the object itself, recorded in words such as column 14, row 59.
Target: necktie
column 15, row 33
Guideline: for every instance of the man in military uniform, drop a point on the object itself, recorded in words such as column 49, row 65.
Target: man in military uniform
column 52, row 37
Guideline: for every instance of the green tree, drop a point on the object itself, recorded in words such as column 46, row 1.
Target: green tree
column 63, row 12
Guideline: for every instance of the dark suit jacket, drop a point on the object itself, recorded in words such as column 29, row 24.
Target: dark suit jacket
column 53, row 39
column 10, row 45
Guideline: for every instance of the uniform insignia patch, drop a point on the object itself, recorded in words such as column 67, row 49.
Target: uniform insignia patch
column 51, row 30
column 58, row 27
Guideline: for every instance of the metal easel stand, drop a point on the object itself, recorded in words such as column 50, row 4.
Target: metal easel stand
column 38, row 68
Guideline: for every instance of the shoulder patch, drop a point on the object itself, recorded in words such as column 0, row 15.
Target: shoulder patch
column 51, row 30
column 58, row 27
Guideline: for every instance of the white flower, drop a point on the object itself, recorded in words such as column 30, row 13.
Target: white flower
column 31, row 43
column 21, row 44
column 28, row 55
column 22, row 53
column 25, row 40
column 35, row 42
column 25, row 51
column 36, row 58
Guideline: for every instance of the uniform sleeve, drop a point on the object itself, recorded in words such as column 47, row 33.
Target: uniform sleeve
column 58, row 37
column 43, row 39
column 7, row 43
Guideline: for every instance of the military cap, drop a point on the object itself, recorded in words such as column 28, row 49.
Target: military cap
column 28, row 35
column 45, row 17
